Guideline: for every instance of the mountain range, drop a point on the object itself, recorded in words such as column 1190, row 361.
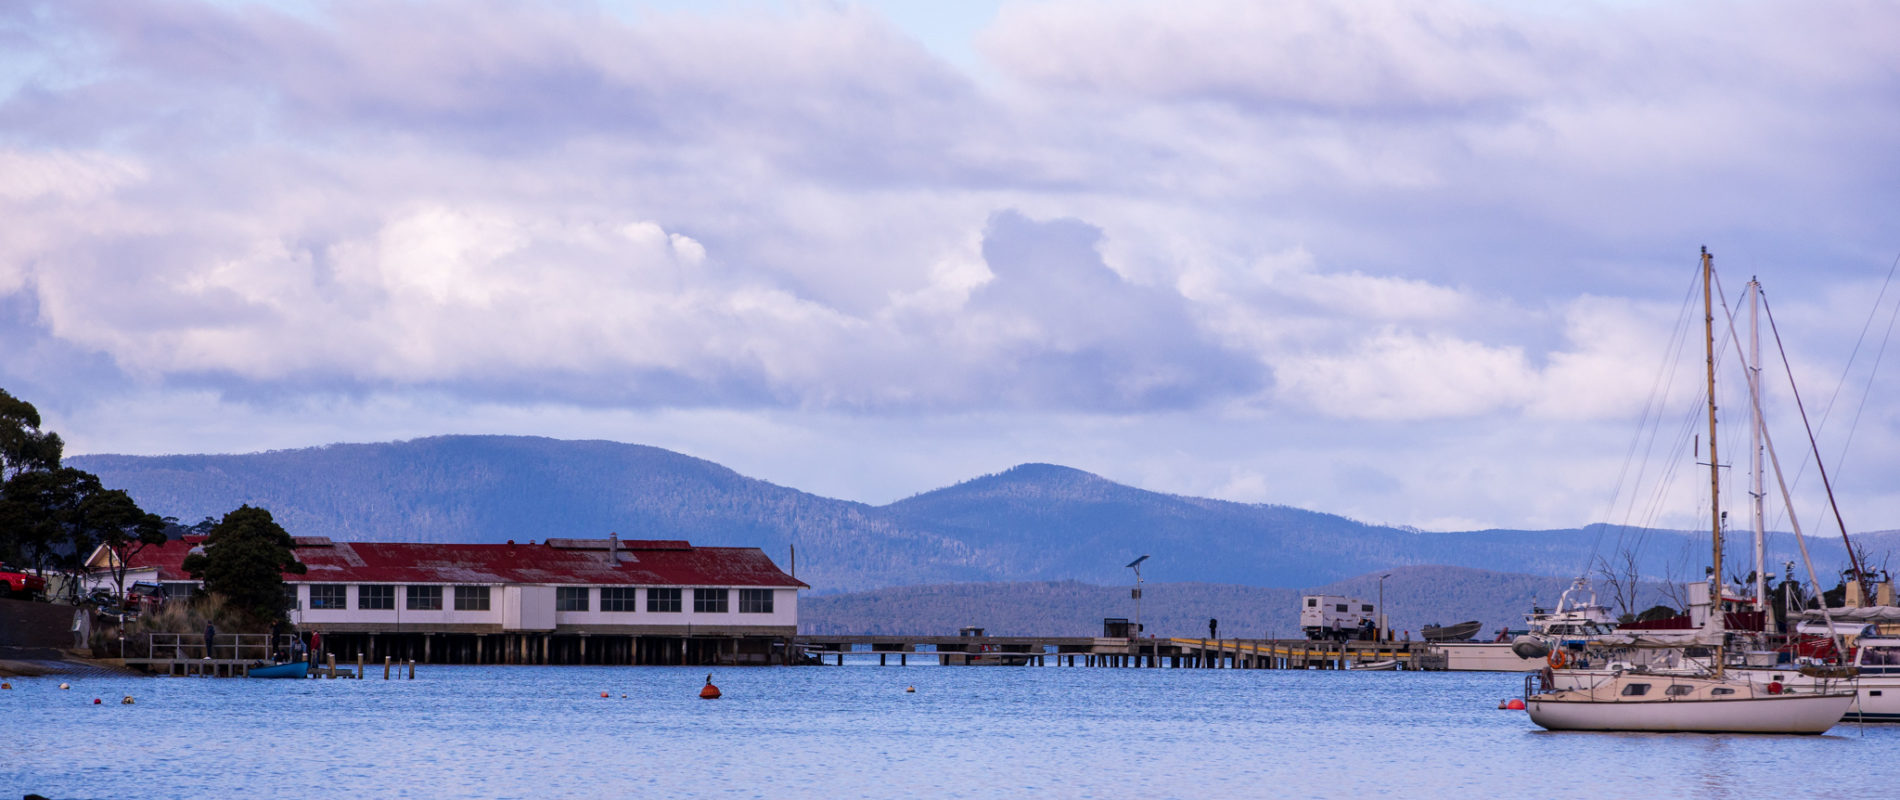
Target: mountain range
column 1029, row 523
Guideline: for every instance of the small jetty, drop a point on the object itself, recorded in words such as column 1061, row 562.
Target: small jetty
column 186, row 655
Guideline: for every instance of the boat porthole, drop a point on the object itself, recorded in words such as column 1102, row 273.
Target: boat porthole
column 1873, row 693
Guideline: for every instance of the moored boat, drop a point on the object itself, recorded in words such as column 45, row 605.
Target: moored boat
column 294, row 669
column 1639, row 700
column 1631, row 701
column 1451, row 633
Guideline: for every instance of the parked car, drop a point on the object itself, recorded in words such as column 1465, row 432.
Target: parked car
column 24, row 585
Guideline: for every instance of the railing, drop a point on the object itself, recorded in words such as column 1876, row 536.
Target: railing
column 223, row 646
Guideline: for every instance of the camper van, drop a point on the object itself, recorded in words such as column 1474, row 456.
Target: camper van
column 1329, row 616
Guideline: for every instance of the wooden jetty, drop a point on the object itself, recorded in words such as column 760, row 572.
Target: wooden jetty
column 1103, row 651
column 234, row 655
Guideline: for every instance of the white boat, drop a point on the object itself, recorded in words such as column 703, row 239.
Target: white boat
column 1632, row 700
column 1390, row 663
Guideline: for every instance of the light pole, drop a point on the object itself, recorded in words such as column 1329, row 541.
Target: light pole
column 1381, row 607
column 1136, row 566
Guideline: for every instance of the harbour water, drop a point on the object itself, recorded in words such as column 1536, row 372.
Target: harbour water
column 853, row 731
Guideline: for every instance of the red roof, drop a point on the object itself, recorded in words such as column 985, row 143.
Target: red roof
column 559, row 561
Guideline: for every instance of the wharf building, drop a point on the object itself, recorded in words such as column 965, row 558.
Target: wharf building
column 564, row 601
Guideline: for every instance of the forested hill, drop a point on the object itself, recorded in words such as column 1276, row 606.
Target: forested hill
column 1036, row 522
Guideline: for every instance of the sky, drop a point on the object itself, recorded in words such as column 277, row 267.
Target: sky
column 1418, row 264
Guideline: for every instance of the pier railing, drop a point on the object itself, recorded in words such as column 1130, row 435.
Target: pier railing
column 222, row 647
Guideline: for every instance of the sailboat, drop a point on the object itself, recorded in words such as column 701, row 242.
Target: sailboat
column 1638, row 700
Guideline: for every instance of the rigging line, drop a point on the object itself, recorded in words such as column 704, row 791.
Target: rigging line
column 1652, row 413
column 1768, row 443
column 1871, row 312
column 1880, row 354
column 1852, row 558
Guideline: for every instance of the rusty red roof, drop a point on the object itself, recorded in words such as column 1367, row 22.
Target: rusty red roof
column 633, row 562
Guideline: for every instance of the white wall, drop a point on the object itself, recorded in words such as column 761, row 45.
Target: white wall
column 531, row 607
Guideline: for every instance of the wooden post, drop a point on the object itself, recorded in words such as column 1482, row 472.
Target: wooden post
column 359, row 665
column 412, row 669
column 385, row 667
column 332, row 662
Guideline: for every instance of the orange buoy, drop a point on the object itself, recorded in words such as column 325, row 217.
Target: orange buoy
column 910, row 690
column 709, row 691
column 6, row 685
column 1514, row 705
column 603, row 694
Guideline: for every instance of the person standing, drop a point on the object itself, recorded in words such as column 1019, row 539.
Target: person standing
column 211, row 635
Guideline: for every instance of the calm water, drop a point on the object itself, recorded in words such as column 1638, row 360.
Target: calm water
column 845, row 732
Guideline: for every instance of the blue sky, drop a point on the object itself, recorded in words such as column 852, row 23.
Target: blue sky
column 1411, row 263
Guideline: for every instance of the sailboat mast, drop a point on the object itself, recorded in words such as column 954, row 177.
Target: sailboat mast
column 1754, row 439
column 1715, row 464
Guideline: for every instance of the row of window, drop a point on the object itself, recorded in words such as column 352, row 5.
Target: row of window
column 566, row 598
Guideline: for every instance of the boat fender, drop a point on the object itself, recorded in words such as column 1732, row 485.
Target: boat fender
column 1775, row 687
column 1556, row 659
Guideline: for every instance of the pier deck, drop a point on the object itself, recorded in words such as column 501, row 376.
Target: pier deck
column 1100, row 651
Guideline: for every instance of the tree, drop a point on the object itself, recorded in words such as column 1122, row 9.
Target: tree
column 123, row 528
column 43, row 514
column 244, row 560
column 23, row 446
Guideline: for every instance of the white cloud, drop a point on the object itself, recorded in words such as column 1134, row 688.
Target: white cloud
column 1333, row 216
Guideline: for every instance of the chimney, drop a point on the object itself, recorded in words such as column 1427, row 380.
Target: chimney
column 613, row 549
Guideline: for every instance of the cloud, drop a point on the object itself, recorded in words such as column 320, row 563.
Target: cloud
column 1195, row 218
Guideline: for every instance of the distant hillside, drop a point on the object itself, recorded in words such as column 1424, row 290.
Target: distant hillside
column 1414, row 597
column 1035, row 522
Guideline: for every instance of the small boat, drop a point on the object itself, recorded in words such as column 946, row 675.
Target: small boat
column 1390, row 663
column 1632, row 701
column 1460, row 632
column 294, row 669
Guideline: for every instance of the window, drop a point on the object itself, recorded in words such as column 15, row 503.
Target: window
column 1340, row 607
column 663, row 599
column 1635, row 689
column 1365, row 608
column 570, row 598
column 329, row 595
column 1312, row 602
column 619, row 599
column 184, row 591
column 1678, row 690
column 710, row 601
column 471, row 598
column 290, row 595
column 425, row 598
column 1721, row 690
column 755, row 601
column 376, row 598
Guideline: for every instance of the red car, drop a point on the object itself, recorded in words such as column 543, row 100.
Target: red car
column 20, row 584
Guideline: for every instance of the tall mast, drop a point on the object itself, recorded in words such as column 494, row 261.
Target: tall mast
column 1715, row 621
column 1754, row 440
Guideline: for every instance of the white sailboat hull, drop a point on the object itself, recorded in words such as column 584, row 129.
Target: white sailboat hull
column 1805, row 714
column 1676, row 704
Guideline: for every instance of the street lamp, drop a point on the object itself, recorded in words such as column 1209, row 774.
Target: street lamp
column 1381, row 608
column 1136, row 566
